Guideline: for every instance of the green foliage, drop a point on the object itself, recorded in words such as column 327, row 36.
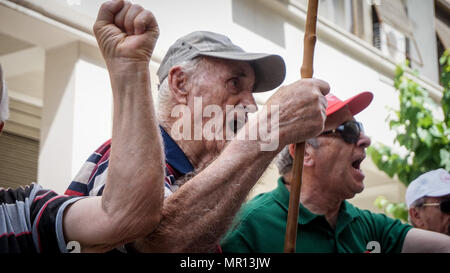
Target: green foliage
column 397, row 210
column 445, row 80
column 425, row 139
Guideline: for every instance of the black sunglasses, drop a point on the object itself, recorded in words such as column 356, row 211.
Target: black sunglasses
column 444, row 205
column 350, row 131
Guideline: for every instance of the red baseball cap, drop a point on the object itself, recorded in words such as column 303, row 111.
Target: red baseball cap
column 355, row 104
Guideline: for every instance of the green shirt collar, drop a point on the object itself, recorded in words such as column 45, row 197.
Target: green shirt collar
column 346, row 214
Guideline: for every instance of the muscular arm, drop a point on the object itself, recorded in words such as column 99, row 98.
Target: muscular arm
column 196, row 216
column 424, row 241
column 132, row 200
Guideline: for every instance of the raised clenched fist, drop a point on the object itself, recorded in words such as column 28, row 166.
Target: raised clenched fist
column 125, row 32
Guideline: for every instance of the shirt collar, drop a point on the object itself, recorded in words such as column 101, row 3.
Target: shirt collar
column 346, row 213
column 175, row 157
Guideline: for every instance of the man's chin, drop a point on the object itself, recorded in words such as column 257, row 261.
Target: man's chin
column 360, row 188
column 356, row 189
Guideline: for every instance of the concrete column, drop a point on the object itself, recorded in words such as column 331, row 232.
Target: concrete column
column 76, row 113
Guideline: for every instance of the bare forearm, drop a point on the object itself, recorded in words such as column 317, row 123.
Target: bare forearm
column 424, row 241
column 136, row 151
column 132, row 200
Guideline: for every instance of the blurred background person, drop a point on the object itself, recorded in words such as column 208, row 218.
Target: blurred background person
column 428, row 200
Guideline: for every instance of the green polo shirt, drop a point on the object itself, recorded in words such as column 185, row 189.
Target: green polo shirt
column 260, row 226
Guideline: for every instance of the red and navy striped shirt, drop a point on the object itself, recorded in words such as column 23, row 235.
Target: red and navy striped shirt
column 31, row 220
column 90, row 180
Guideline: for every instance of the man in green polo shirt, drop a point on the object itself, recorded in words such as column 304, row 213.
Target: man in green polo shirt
column 327, row 222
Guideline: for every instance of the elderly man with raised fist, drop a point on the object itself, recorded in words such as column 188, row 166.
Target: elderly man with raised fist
column 38, row 220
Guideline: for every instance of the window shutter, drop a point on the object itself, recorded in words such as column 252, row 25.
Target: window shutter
column 18, row 160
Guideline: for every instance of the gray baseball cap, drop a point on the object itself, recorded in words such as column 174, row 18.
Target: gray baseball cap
column 270, row 70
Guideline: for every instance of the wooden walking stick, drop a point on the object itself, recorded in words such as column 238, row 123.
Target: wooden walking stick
column 296, row 179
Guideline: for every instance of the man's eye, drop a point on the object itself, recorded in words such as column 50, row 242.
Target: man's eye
column 233, row 82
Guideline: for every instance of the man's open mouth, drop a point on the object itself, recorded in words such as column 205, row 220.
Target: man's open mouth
column 236, row 124
column 357, row 163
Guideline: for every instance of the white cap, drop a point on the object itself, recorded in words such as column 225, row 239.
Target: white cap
column 432, row 184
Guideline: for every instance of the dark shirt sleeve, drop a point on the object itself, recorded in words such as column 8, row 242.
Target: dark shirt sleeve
column 391, row 233
column 46, row 214
column 15, row 227
column 31, row 220
column 235, row 242
column 238, row 238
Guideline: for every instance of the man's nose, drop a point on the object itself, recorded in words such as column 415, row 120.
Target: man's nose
column 248, row 101
column 363, row 141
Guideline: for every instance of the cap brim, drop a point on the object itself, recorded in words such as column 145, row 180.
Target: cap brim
column 355, row 104
column 438, row 193
column 270, row 70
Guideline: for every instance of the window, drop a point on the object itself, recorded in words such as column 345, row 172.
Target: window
column 382, row 23
column 18, row 160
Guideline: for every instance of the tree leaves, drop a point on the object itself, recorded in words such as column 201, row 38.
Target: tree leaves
column 425, row 138
column 398, row 210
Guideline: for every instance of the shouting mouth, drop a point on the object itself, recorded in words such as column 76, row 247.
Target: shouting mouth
column 356, row 165
column 239, row 120
column 235, row 125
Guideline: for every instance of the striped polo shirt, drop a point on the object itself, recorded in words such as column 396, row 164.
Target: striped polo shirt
column 31, row 220
column 90, row 180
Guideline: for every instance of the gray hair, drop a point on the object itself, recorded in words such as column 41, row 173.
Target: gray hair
column 164, row 94
column 416, row 204
column 284, row 159
column 4, row 100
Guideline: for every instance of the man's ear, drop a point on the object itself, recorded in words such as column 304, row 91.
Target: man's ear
column 292, row 150
column 177, row 84
column 308, row 159
column 416, row 218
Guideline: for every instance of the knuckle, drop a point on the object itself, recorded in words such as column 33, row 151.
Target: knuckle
column 105, row 5
column 149, row 15
column 319, row 125
column 138, row 7
column 96, row 28
column 316, row 97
